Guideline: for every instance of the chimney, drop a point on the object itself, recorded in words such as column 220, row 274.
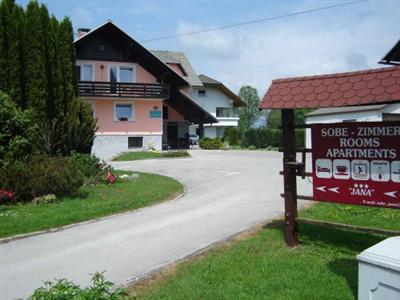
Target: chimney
column 82, row 31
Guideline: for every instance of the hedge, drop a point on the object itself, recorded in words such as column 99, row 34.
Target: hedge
column 211, row 144
column 268, row 137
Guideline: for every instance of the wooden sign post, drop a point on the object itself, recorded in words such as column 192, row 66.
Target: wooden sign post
column 290, row 169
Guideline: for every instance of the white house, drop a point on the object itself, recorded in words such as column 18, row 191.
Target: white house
column 367, row 113
column 219, row 101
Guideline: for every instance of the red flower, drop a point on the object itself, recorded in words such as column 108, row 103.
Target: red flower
column 110, row 177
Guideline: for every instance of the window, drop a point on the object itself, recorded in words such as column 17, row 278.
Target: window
column 123, row 112
column 135, row 142
column 224, row 112
column 121, row 74
column 165, row 112
column 201, row 93
column 102, row 47
column 84, row 72
column 125, row 74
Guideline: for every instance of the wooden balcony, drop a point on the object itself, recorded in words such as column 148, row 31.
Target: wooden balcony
column 122, row 90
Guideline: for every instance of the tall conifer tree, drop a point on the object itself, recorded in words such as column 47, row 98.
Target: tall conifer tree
column 36, row 81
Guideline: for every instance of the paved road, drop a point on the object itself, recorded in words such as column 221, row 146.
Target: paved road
column 227, row 192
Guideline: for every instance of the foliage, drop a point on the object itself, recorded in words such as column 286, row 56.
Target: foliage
column 138, row 155
column 46, row 199
column 250, row 113
column 89, row 203
column 252, row 147
column 232, row 134
column 37, row 64
column 178, row 153
column 264, row 137
column 211, row 144
column 64, row 289
column 17, row 136
column 89, row 165
column 6, row 196
column 81, row 127
column 274, row 117
column 41, row 175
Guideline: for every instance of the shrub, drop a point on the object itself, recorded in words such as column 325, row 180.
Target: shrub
column 232, row 136
column 81, row 127
column 211, row 144
column 89, row 165
column 179, row 153
column 64, row 289
column 46, row 199
column 18, row 134
column 41, row 175
column 252, row 147
column 269, row 137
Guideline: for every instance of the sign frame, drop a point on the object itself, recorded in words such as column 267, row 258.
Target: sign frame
column 357, row 163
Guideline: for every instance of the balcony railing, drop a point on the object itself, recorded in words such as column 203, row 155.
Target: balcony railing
column 122, row 89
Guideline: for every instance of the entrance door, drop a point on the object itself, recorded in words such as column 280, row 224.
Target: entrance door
column 172, row 135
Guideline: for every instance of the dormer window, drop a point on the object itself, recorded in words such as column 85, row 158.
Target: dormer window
column 201, row 93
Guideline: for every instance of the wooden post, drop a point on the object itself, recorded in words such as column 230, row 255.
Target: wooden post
column 289, row 178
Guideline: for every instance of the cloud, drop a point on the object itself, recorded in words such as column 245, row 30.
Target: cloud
column 145, row 8
column 213, row 44
column 332, row 41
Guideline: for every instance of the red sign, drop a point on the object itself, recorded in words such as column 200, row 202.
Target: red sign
column 357, row 163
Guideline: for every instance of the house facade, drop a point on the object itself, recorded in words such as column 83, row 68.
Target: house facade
column 139, row 101
column 220, row 102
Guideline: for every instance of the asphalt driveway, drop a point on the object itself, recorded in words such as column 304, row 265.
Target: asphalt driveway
column 227, row 192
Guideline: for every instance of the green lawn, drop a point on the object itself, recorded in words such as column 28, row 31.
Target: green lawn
column 262, row 267
column 138, row 155
column 355, row 215
column 92, row 202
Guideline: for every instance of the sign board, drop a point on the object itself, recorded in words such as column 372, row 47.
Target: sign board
column 155, row 114
column 357, row 163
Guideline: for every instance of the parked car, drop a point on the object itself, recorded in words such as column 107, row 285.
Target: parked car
column 193, row 139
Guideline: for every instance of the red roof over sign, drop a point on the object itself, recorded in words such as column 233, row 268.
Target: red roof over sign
column 332, row 90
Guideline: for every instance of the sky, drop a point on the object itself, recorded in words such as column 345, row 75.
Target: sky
column 340, row 39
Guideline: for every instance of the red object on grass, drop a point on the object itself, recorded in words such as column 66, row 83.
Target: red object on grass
column 111, row 177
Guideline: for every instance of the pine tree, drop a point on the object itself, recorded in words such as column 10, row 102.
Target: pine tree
column 5, row 17
column 3, row 52
column 36, row 79
column 66, row 57
column 15, row 57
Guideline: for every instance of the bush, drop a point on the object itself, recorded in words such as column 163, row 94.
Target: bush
column 268, row 137
column 18, row 134
column 179, row 153
column 252, row 147
column 211, row 144
column 41, row 175
column 81, row 127
column 232, row 136
column 89, row 165
column 64, row 289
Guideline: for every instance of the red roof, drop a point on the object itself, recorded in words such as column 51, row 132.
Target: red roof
column 332, row 90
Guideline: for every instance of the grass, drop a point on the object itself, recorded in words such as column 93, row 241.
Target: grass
column 324, row 266
column 383, row 218
column 92, row 202
column 138, row 155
